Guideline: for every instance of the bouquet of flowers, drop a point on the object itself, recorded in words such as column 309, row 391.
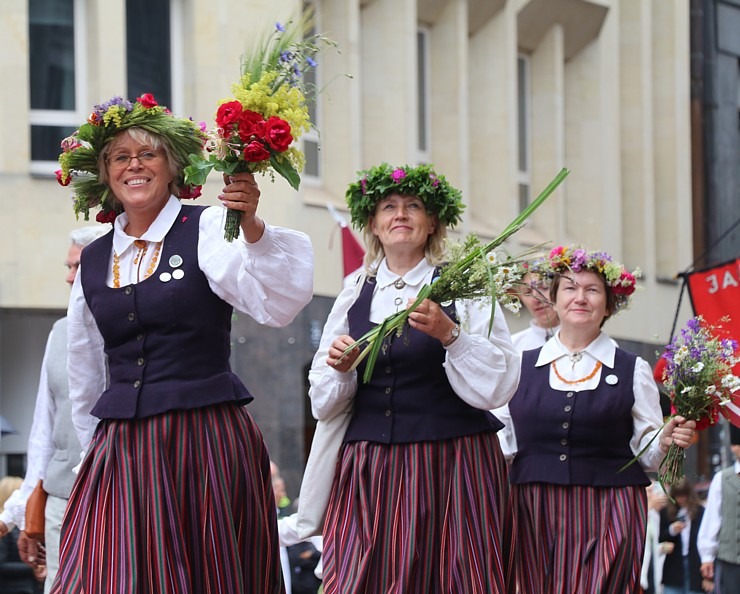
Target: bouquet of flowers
column 473, row 271
column 699, row 377
column 256, row 130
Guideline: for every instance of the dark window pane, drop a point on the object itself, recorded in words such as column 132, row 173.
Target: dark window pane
column 148, row 56
column 45, row 141
column 523, row 196
column 52, row 54
column 421, row 42
column 311, row 150
column 523, row 101
column 16, row 465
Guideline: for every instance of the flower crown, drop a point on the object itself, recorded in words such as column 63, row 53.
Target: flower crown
column 438, row 196
column 81, row 150
column 619, row 280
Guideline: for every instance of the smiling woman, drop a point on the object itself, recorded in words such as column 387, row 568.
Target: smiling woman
column 403, row 508
column 583, row 409
column 154, row 397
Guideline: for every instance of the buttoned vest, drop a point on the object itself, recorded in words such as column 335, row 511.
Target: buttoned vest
column 575, row 438
column 729, row 532
column 167, row 338
column 66, row 455
column 408, row 398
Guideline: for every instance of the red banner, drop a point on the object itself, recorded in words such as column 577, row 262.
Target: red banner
column 715, row 294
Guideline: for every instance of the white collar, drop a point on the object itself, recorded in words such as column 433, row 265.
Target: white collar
column 602, row 349
column 156, row 232
column 413, row 278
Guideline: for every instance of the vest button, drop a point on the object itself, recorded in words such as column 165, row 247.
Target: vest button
column 137, row 383
column 389, row 369
column 563, row 457
column 387, row 390
column 567, row 408
column 140, row 361
column 570, row 394
column 128, row 290
column 563, row 442
column 566, row 425
column 387, row 413
column 131, row 317
column 139, row 337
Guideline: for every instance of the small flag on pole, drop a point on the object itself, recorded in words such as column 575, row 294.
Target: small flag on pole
column 352, row 250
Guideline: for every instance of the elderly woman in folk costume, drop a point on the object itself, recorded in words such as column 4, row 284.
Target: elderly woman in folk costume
column 419, row 496
column 174, row 494
column 583, row 410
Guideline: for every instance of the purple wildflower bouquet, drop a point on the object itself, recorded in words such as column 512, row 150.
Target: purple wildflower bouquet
column 698, row 375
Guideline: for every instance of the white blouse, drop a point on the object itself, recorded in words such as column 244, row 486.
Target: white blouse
column 271, row 280
column 483, row 370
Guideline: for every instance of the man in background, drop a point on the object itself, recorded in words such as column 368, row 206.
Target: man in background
column 53, row 448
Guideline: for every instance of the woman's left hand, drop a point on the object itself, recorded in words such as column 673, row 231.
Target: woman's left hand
column 430, row 319
column 679, row 431
column 242, row 193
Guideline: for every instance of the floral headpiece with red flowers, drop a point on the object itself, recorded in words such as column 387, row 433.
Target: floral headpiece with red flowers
column 619, row 280
column 438, row 196
column 81, row 151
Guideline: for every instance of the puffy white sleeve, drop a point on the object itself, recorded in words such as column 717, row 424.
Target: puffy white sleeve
column 647, row 417
column 271, row 280
column 86, row 364
column 482, row 368
column 330, row 390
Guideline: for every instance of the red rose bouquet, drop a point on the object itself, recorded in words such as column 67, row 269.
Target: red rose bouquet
column 257, row 129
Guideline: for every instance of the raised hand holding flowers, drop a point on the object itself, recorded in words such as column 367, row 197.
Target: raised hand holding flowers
column 256, row 130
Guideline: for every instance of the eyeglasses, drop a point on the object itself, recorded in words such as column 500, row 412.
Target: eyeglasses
column 122, row 160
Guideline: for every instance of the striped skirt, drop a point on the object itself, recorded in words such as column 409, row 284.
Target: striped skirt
column 418, row 518
column 179, row 502
column 576, row 539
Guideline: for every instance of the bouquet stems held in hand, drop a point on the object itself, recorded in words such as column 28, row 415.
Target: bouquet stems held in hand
column 500, row 276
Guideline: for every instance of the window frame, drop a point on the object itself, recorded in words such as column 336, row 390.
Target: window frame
column 424, row 93
column 524, row 127
column 53, row 117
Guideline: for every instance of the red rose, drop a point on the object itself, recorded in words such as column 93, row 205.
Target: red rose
column 106, row 216
column 251, row 126
column 255, row 151
column 61, row 179
column 228, row 113
column 147, row 100
column 277, row 134
column 190, row 192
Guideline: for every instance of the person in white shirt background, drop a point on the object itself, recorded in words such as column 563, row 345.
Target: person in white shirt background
column 533, row 293
column 53, row 449
column 719, row 534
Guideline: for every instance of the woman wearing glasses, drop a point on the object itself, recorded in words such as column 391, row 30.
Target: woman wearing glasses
column 174, row 493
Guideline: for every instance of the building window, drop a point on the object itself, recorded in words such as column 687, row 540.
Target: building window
column 312, row 168
column 57, row 66
column 423, row 94
column 524, row 130
column 148, row 54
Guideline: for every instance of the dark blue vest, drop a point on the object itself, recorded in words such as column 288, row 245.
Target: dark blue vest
column 408, row 398
column 574, row 438
column 168, row 343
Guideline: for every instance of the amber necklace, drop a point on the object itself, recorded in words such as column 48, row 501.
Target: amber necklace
column 142, row 247
column 578, row 381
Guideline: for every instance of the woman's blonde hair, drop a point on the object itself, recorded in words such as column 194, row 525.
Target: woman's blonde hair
column 8, row 484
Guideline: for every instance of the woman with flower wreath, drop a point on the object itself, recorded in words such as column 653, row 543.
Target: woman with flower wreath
column 583, row 409
column 174, row 493
column 418, row 499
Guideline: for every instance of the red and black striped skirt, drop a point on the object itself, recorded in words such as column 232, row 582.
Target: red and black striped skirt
column 179, row 502
column 577, row 539
column 418, row 518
